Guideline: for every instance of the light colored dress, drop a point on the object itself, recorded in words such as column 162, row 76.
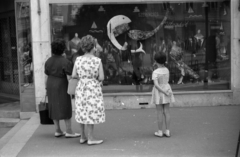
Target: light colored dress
column 88, row 95
column 162, row 75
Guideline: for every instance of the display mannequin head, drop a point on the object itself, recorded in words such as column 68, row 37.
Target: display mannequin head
column 198, row 35
column 76, row 35
column 174, row 43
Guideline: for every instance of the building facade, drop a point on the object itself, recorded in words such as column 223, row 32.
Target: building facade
column 200, row 39
column 8, row 53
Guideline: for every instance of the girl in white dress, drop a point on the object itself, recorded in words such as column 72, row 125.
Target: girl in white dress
column 162, row 94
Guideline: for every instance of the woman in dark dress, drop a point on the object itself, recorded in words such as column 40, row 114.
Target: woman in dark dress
column 57, row 69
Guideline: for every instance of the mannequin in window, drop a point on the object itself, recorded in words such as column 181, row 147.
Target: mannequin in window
column 199, row 40
column 126, row 58
column 153, row 50
column 99, row 48
column 176, row 55
column 111, row 65
column 190, row 45
column 74, row 44
column 199, row 36
column 162, row 46
column 224, row 44
column 169, row 44
column 27, row 60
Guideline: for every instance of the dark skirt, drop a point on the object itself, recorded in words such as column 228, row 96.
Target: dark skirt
column 59, row 100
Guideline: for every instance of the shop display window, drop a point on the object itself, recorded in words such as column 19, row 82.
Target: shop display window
column 195, row 36
column 24, row 43
column 25, row 56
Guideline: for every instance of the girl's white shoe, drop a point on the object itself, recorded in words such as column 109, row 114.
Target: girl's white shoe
column 167, row 133
column 159, row 133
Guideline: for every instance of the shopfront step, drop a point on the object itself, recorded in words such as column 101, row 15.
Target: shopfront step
column 8, row 122
column 10, row 114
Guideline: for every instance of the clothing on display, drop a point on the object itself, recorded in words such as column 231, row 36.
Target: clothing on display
column 137, row 72
column 130, row 35
column 162, row 47
column 190, row 45
column 126, row 52
column 74, row 44
column 199, row 40
column 176, row 55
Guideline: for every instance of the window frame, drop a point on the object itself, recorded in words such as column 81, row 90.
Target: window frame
column 89, row 2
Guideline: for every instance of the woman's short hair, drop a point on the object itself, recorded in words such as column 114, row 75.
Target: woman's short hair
column 87, row 43
column 58, row 46
column 160, row 58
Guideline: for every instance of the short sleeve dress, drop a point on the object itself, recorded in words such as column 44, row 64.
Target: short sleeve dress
column 57, row 68
column 88, row 95
column 162, row 75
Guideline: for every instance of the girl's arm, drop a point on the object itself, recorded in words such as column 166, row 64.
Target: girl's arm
column 159, row 88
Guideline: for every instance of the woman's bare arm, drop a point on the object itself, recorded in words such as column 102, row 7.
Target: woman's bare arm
column 101, row 73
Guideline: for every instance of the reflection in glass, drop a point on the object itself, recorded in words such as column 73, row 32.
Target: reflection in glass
column 195, row 37
column 25, row 56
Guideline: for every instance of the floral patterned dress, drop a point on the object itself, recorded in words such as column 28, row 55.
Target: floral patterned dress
column 88, row 95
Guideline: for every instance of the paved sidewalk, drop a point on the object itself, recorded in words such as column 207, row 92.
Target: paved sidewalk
column 196, row 132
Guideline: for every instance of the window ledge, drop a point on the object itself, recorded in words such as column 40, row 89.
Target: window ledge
column 175, row 93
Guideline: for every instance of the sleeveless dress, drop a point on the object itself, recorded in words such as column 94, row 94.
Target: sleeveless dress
column 88, row 95
column 162, row 75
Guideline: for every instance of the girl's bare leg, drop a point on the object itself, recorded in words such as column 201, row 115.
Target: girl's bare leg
column 166, row 114
column 159, row 116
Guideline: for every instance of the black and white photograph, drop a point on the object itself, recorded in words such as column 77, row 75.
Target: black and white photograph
column 119, row 78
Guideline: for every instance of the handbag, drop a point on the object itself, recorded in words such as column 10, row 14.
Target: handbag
column 44, row 113
column 72, row 84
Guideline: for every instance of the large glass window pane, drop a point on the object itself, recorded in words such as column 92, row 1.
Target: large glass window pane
column 25, row 56
column 195, row 37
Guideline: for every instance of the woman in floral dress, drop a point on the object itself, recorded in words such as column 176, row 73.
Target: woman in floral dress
column 88, row 96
